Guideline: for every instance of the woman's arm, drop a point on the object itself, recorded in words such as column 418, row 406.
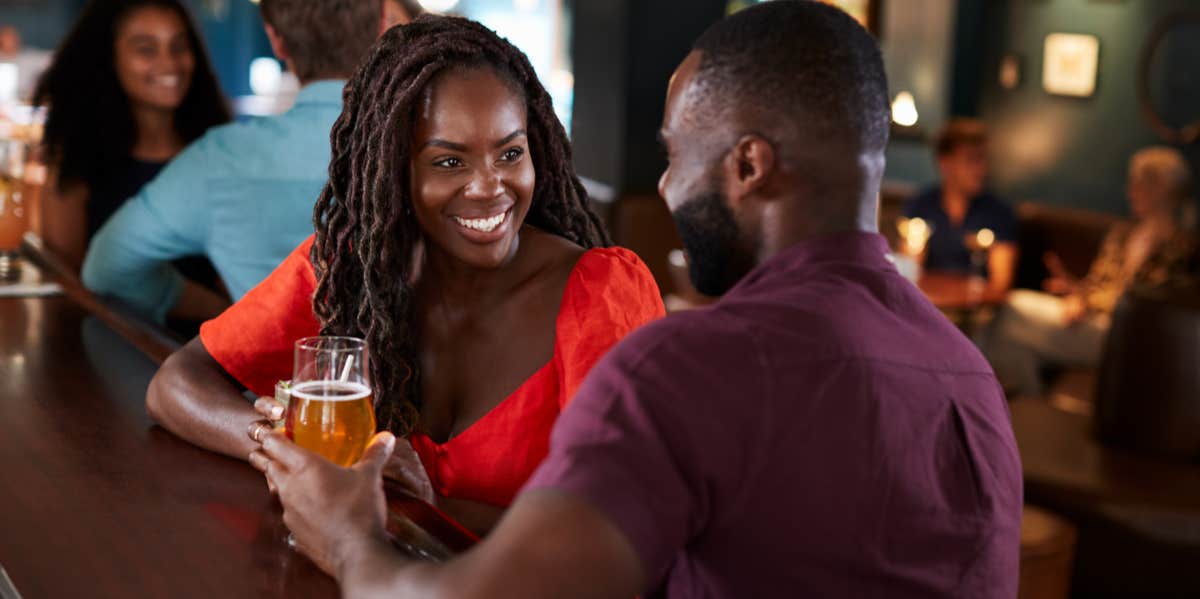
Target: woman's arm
column 64, row 219
column 193, row 397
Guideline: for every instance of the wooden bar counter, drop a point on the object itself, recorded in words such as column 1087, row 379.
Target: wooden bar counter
column 97, row 501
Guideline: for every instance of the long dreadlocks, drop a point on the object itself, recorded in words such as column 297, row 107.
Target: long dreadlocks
column 365, row 229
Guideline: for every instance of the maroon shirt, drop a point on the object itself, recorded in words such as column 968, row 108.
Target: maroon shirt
column 822, row 431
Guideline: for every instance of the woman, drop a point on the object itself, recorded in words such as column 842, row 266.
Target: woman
column 129, row 87
column 1038, row 329
column 454, row 237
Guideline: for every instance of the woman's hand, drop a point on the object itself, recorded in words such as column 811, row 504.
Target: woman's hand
column 270, row 408
column 1061, row 282
column 405, row 467
column 1074, row 310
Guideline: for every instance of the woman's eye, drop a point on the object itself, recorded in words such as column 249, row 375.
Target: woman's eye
column 448, row 162
column 512, row 154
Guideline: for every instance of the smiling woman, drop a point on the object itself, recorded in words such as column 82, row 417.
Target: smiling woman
column 455, row 237
column 130, row 86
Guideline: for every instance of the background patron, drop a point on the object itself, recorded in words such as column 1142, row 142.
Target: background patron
column 960, row 206
column 129, row 88
column 242, row 195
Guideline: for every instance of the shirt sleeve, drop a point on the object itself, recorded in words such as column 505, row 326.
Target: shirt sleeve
column 129, row 257
column 610, row 294
column 645, row 441
column 253, row 340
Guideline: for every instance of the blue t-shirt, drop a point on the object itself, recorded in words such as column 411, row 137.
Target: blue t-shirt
column 946, row 250
column 242, row 195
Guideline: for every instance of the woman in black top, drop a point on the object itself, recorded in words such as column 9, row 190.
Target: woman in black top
column 129, row 88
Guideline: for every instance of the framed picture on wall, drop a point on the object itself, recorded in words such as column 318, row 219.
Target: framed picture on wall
column 1070, row 63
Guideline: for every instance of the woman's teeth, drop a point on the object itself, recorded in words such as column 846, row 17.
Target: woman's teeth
column 167, row 80
column 485, row 225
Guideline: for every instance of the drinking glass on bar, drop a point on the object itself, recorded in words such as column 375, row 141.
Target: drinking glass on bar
column 331, row 410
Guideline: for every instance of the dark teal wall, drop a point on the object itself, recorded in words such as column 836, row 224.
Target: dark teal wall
column 1074, row 151
column 233, row 32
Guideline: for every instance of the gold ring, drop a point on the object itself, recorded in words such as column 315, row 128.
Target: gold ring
column 256, row 429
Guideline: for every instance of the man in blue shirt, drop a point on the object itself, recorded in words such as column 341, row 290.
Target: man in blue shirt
column 243, row 194
column 960, row 208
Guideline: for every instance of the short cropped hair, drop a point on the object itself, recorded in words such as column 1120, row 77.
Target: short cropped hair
column 801, row 65
column 960, row 132
column 326, row 39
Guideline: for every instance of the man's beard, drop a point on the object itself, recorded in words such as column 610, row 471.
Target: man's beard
column 717, row 256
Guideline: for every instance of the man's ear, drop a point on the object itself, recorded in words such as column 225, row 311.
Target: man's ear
column 277, row 45
column 748, row 167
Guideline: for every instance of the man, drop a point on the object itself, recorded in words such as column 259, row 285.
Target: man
column 242, row 194
column 961, row 207
column 821, row 431
column 399, row 12
column 29, row 62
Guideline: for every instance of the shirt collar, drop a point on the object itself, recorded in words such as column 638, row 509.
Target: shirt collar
column 863, row 249
column 325, row 91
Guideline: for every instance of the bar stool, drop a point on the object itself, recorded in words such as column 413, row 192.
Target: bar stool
column 1047, row 554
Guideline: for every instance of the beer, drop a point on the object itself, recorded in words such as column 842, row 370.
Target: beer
column 333, row 418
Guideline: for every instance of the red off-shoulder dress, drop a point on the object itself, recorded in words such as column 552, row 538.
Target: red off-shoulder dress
column 610, row 293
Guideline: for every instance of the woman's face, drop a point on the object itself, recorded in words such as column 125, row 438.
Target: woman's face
column 154, row 59
column 471, row 172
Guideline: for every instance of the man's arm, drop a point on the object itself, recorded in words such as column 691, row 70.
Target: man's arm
column 129, row 258
column 549, row 544
column 1002, row 267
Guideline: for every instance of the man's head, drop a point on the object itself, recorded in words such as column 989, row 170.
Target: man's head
column 10, row 41
column 962, row 157
column 322, row 39
column 400, row 12
column 775, row 130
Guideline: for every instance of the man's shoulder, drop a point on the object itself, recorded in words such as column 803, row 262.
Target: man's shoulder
column 702, row 339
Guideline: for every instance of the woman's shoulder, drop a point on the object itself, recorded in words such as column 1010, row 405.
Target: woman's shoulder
column 609, row 284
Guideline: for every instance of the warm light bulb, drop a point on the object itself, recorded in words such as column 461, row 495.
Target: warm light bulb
column 986, row 238
column 904, row 110
column 439, row 5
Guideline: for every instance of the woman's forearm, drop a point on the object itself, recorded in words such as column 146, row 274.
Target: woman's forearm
column 192, row 397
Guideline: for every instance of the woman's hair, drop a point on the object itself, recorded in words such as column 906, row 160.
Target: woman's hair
column 90, row 128
column 366, row 233
column 1166, row 165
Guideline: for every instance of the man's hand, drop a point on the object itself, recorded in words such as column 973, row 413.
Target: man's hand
column 334, row 512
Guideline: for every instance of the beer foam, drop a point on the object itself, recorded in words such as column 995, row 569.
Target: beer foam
column 330, row 391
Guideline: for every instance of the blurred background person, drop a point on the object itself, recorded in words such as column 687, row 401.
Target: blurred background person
column 960, row 206
column 29, row 62
column 1035, row 330
column 130, row 87
column 242, row 195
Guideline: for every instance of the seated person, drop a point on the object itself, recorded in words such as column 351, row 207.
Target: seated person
column 30, row 62
column 152, row 91
column 1035, row 330
column 960, row 207
column 243, row 194
column 453, row 236
column 787, row 441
